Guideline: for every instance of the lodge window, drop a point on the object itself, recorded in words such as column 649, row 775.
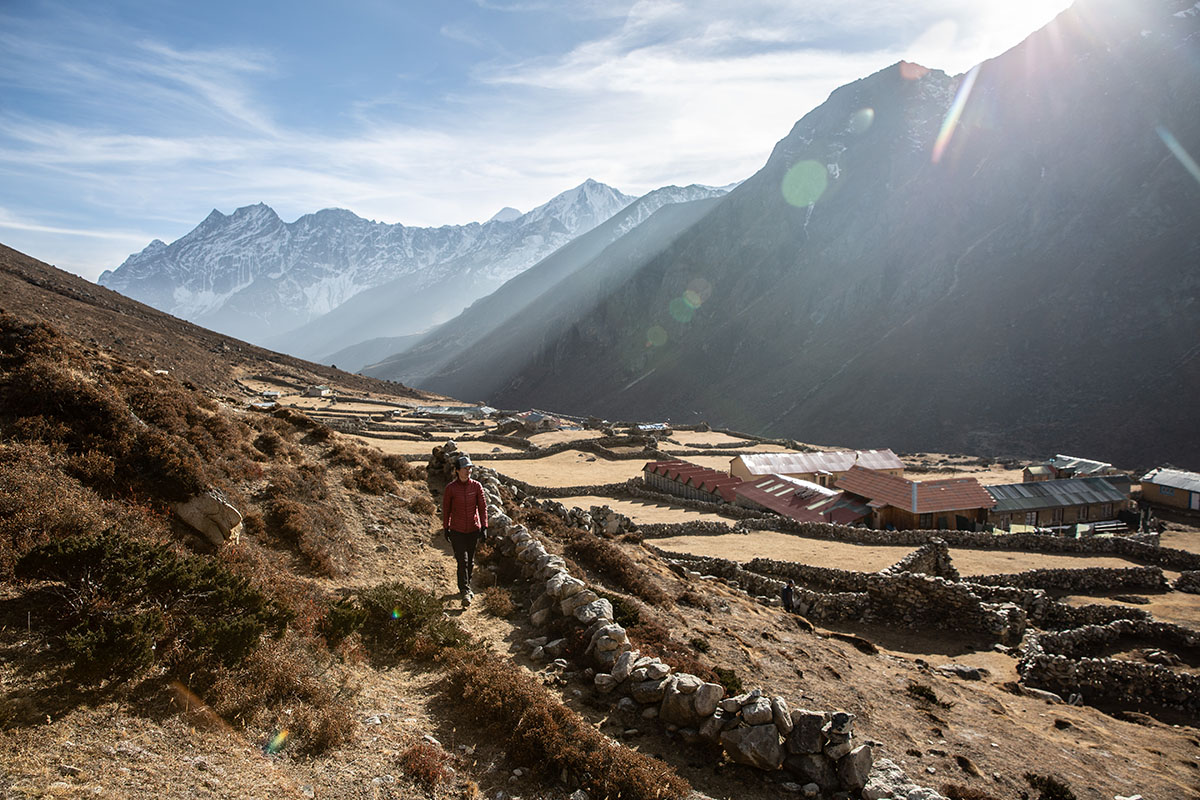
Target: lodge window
column 925, row 522
column 1083, row 512
column 1031, row 518
column 1106, row 510
column 1165, row 490
column 1056, row 515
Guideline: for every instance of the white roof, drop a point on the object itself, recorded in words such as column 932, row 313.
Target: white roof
column 833, row 461
column 1175, row 478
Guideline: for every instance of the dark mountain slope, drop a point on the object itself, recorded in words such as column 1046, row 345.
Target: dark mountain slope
column 1033, row 289
column 556, row 288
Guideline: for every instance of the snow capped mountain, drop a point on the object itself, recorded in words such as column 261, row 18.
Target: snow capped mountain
column 506, row 214
column 251, row 275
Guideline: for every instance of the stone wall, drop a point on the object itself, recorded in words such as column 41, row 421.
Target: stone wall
column 1082, row 581
column 931, row 559
column 1060, row 662
column 1188, row 581
column 817, row 748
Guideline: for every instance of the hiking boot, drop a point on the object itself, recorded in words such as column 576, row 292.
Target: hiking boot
column 467, row 597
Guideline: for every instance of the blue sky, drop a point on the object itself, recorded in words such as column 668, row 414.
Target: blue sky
column 130, row 120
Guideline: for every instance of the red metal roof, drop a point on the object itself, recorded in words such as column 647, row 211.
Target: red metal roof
column 801, row 500
column 925, row 497
column 703, row 478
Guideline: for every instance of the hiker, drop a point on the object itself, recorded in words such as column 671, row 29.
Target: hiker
column 464, row 522
column 788, row 594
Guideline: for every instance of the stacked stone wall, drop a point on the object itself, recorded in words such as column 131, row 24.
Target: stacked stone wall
column 757, row 729
column 1082, row 581
column 825, row 578
column 931, row 559
column 1188, row 581
column 1060, row 662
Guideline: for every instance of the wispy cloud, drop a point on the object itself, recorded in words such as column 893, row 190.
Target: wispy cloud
column 118, row 128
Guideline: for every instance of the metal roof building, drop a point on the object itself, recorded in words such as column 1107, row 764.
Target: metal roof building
column 1019, row 497
column 690, row 480
column 1174, row 478
column 1078, row 467
column 836, row 461
column 924, row 497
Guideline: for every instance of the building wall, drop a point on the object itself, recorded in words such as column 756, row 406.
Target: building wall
column 1166, row 495
column 904, row 520
column 738, row 470
column 1067, row 515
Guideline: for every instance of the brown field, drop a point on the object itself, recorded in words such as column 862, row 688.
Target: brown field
column 643, row 512
column 1000, row 562
column 784, row 547
column 569, row 468
column 406, row 447
column 1182, row 540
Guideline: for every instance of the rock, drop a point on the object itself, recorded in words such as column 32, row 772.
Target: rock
column 757, row 712
column 811, row 790
column 540, row 618
column 806, row 734
column 840, row 722
column 648, row 691
column 627, row 705
column 710, row 729
column 886, row 780
column 963, row 671
column 624, row 664
column 756, row 745
column 650, row 713
column 855, row 767
column 604, row 682
column 657, row 670
column 707, row 697
column 687, row 684
column 579, row 794
column 839, row 746
column 813, row 768
column 1041, row 694
column 781, row 715
column 595, row 610
column 212, row 516
column 577, row 600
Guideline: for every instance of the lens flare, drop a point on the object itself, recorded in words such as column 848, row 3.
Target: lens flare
column 656, row 337
column 953, row 115
column 699, row 288
column 277, row 742
column 681, row 310
column 396, row 613
column 692, row 299
column 804, row 183
column 861, row 120
column 1177, row 150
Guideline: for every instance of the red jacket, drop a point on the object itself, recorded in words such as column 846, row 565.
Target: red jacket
column 463, row 506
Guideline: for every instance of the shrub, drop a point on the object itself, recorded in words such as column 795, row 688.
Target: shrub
column 499, row 602
column 653, row 639
column 371, row 480
column 611, row 562
column 284, row 675
column 957, row 791
column 421, row 504
column 395, row 621
column 625, row 613
column 1049, row 788
column 425, row 764
column 729, row 679
column 922, row 692
column 130, row 603
column 539, row 731
column 699, row 645
column 401, row 470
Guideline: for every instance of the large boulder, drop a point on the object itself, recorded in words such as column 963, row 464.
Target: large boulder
column 212, row 516
column 756, row 745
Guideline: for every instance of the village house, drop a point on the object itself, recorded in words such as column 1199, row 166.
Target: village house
column 1062, row 466
column 822, row 468
column 803, row 501
column 318, row 391
column 1174, row 488
column 1057, row 503
column 895, row 502
column 690, row 481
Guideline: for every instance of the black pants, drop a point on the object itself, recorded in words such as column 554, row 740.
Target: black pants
column 464, row 554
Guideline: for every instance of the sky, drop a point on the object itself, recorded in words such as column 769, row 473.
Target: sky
column 124, row 121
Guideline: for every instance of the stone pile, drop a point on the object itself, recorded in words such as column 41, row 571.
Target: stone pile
column 598, row 519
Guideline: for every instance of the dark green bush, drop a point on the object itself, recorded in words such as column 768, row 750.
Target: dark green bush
column 130, row 603
column 729, row 679
column 395, row 621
